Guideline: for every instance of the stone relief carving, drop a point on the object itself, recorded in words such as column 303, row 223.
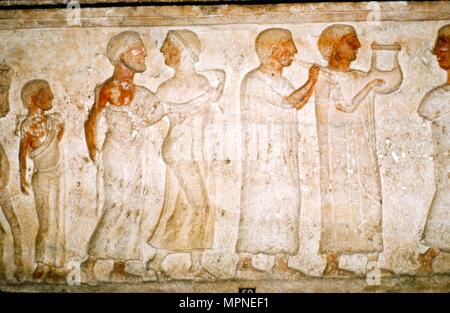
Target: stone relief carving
column 278, row 143
column 6, row 75
column 5, row 195
column 187, row 219
column 128, row 109
column 8, row 210
column 434, row 108
column 270, row 169
column 350, row 187
column 40, row 136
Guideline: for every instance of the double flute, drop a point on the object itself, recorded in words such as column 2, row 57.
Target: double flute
column 323, row 69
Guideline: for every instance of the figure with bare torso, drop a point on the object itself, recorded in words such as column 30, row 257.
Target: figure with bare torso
column 128, row 108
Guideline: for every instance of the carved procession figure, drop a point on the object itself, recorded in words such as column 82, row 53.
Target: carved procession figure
column 186, row 223
column 435, row 107
column 41, row 134
column 270, row 195
column 5, row 195
column 350, row 183
column 128, row 109
column 8, row 210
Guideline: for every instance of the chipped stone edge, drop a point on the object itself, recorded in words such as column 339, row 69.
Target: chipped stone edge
column 145, row 16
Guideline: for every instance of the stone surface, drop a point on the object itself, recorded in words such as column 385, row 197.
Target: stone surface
column 293, row 147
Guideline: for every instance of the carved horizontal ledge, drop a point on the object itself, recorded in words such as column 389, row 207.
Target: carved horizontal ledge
column 225, row 14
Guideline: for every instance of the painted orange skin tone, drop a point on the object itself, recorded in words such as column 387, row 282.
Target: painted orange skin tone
column 118, row 90
column 282, row 56
column 344, row 53
column 442, row 52
column 40, row 103
column 172, row 55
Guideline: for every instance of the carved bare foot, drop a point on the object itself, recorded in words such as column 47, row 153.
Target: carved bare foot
column 281, row 270
column 201, row 273
column 2, row 275
column 40, row 272
column 56, row 276
column 119, row 274
column 19, row 275
column 332, row 267
column 156, row 268
column 245, row 270
column 426, row 261
column 88, row 272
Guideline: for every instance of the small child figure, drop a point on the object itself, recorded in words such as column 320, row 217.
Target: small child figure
column 41, row 134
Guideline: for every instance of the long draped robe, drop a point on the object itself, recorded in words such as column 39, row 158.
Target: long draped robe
column 47, row 183
column 187, row 218
column 435, row 107
column 350, row 183
column 270, row 198
column 118, row 232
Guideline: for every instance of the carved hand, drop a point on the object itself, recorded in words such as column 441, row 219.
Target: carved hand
column 314, row 73
column 24, row 186
column 93, row 153
column 376, row 83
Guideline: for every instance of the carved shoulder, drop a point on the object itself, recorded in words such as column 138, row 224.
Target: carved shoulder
column 25, row 126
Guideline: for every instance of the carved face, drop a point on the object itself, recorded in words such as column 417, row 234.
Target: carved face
column 44, row 99
column 134, row 57
column 347, row 48
column 172, row 54
column 284, row 52
column 442, row 52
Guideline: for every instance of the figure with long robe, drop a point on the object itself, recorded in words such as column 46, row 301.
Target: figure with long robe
column 41, row 134
column 8, row 210
column 435, row 108
column 350, row 183
column 186, row 223
column 270, row 197
column 128, row 109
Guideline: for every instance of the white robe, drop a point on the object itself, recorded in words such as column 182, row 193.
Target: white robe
column 187, row 217
column 270, row 198
column 118, row 232
column 350, row 184
column 435, row 107
column 48, row 193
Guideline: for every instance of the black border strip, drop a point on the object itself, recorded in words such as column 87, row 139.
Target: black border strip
column 9, row 7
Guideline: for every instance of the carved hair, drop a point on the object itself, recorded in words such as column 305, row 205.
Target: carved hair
column 120, row 43
column 31, row 89
column 186, row 39
column 268, row 39
column 332, row 35
column 444, row 31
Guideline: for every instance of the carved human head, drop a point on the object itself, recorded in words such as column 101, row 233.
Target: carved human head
column 275, row 45
column 127, row 48
column 37, row 93
column 442, row 47
column 339, row 42
column 181, row 46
